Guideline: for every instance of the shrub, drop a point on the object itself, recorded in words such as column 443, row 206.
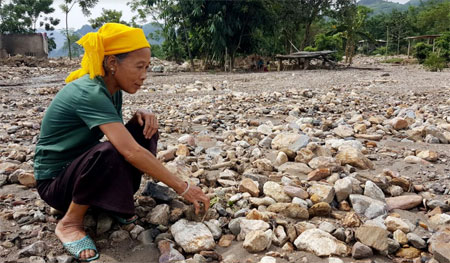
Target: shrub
column 434, row 63
column 157, row 51
column 422, row 51
column 379, row 51
column 443, row 46
column 334, row 42
column 393, row 61
column 310, row 48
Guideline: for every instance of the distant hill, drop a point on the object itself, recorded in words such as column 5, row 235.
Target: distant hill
column 383, row 6
column 60, row 38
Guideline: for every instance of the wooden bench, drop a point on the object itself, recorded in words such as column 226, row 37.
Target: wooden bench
column 304, row 57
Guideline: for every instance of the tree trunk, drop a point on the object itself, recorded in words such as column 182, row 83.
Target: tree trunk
column 68, row 38
column 306, row 38
column 191, row 59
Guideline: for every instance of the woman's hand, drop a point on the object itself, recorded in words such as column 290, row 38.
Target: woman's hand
column 148, row 119
column 196, row 196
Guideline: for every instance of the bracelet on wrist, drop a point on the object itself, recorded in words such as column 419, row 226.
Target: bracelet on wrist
column 187, row 189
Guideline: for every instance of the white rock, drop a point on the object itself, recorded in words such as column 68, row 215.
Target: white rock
column 192, row 236
column 320, row 243
column 276, row 191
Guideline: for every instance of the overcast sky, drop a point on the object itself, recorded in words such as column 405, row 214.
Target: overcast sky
column 77, row 19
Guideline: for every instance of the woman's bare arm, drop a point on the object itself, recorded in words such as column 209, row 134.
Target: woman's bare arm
column 145, row 161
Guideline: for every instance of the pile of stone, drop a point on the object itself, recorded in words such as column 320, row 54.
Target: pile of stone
column 298, row 169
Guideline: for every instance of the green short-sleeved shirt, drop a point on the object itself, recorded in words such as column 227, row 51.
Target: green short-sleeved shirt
column 70, row 124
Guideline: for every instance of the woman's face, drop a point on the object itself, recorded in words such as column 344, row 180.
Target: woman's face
column 132, row 70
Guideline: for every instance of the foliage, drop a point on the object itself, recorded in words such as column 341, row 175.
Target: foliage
column 51, row 43
column 443, row 45
column 393, row 61
column 158, row 52
column 85, row 5
column 350, row 20
column 218, row 31
column 107, row 16
column 21, row 16
column 434, row 62
column 77, row 50
column 434, row 17
column 423, row 50
column 379, row 51
column 333, row 42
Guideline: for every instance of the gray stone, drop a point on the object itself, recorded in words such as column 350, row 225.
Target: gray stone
column 367, row 206
column 252, row 225
column 214, row 227
column 373, row 191
column 257, row 240
column 104, row 223
column 360, row 251
column 393, row 246
column 38, row 248
column 64, row 259
column 159, row 215
column 300, row 143
column 35, row 259
column 327, row 227
column 266, row 142
column 280, row 236
column 146, row 237
column 3, row 179
column 343, row 188
column 119, row 235
column 235, row 226
column 137, row 229
column 416, row 241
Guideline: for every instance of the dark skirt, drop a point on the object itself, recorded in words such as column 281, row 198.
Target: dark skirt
column 100, row 178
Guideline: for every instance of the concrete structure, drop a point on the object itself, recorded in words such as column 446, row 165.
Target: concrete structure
column 24, row 44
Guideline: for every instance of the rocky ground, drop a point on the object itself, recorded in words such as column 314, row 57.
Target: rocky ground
column 348, row 165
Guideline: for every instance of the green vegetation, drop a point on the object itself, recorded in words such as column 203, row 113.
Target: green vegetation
column 393, row 61
column 434, row 62
column 107, row 16
column 85, row 5
column 21, row 16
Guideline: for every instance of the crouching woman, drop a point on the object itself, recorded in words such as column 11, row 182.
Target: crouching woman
column 73, row 169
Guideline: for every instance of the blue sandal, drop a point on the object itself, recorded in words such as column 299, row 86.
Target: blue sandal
column 124, row 221
column 76, row 247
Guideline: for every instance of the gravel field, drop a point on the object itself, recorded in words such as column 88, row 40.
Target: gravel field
column 352, row 163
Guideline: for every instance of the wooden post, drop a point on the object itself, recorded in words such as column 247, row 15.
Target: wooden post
column 280, row 64
column 409, row 47
column 433, row 44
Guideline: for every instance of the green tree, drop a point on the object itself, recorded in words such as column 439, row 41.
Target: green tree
column 107, row 16
column 21, row 16
column 85, row 5
column 351, row 20
column 434, row 17
column 70, row 44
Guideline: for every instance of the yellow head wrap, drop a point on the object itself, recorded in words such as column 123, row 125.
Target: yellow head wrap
column 110, row 39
